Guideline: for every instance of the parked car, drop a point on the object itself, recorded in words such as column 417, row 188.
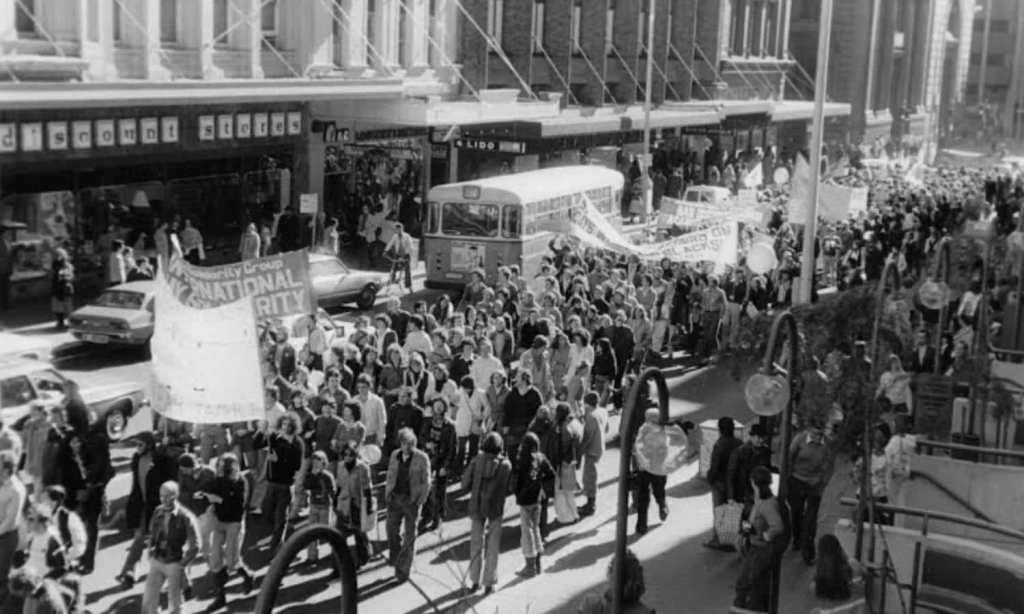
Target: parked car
column 122, row 315
column 335, row 284
column 24, row 381
column 13, row 345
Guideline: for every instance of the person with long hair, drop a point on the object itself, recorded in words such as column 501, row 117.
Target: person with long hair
column 765, row 538
column 569, row 436
column 833, row 575
column 227, row 496
column 894, row 387
column 633, row 590
column 440, row 442
column 354, row 503
column 486, row 479
column 532, row 470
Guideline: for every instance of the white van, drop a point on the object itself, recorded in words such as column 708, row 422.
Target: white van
column 711, row 195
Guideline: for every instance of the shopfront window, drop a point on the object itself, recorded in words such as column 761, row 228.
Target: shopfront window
column 511, row 221
column 469, row 220
column 43, row 221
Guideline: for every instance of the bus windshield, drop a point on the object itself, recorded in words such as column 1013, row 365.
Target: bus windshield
column 469, row 220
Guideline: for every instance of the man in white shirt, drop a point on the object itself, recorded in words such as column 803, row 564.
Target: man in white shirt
column 372, row 412
column 399, row 247
column 485, row 365
column 417, row 339
column 12, row 500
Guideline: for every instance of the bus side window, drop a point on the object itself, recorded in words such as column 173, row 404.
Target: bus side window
column 511, row 221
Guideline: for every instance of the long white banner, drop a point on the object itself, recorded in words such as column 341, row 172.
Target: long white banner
column 205, row 366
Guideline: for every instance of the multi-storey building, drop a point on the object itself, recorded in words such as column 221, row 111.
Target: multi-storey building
column 719, row 73
column 997, row 50
column 901, row 64
column 115, row 113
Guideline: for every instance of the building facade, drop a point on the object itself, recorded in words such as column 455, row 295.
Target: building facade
column 118, row 113
column 900, row 64
column 997, row 48
column 718, row 76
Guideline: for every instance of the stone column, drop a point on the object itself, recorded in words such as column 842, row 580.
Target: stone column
column 352, row 14
column 149, row 18
column 745, row 46
column 886, row 28
column 315, row 41
column 385, row 34
column 417, row 28
column 250, row 36
column 906, row 75
column 204, row 18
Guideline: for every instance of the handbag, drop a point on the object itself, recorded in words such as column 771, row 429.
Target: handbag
column 728, row 518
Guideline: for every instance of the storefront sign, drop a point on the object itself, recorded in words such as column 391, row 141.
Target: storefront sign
column 32, row 137
column 57, row 136
column 277, row 127
column 260, row 125
column 334, row 134
column 280, row 284
column 169, row 129
column 308, row 203
column 126, row 132
column 243, row 125
column 8, row 137
column 225, row 126
column 389, row 134
column 207, row 128
column 149, row 130
column 105, row 134
column 512, row 147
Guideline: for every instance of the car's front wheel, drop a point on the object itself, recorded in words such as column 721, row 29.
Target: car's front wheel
column 367, row 298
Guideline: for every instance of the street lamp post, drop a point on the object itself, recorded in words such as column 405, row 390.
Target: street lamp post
column 807, row 259
column 646, row 178
column 632, row 415
column 769, row 369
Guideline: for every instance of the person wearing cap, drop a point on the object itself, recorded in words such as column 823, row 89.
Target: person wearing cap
column 753, row 453
column 811, row 462
column 193, row 478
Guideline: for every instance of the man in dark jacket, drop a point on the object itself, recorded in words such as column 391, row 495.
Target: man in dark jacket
column 173, row 544
column 284, row 460
column 151, row 466
column 718, row 468
column 487, row 482
column 438, row 440
column 289, row 230
column 404, row 413
column 753, row 453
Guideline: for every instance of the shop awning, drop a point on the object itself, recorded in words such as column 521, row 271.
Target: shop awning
column 494, row 106
column 66, row 95
column 572, row 122
column 796, row 110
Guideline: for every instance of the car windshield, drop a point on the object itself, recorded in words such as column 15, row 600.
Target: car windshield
column 326, row 268
column 121, row 299
column 47, row 380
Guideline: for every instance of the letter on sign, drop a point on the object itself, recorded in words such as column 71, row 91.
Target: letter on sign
column 243, row 125
column 8, row 137
column 225, row 126
column 294, row 122
column 81, row 135
column 57, row 136
column 105, row 133
column 260, row 124
column 207, row 128
column 32, row 137
column 277, row 124
column 149, row 130
column 126, row 132
column 169, row 129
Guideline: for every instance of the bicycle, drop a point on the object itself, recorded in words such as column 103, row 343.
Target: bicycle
column 398, row 265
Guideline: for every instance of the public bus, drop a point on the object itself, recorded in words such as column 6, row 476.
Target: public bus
column 509, row 219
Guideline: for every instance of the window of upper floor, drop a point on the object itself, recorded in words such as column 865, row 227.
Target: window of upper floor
column 609, row 30
column 577, row 26
column 25, row 19
column 269, row 22
column 115, row 17
column 537, row 33
column 220, row 22
column 169, row 15
column 495, row 21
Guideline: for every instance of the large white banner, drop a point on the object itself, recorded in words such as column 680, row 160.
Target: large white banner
column 205, row 361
